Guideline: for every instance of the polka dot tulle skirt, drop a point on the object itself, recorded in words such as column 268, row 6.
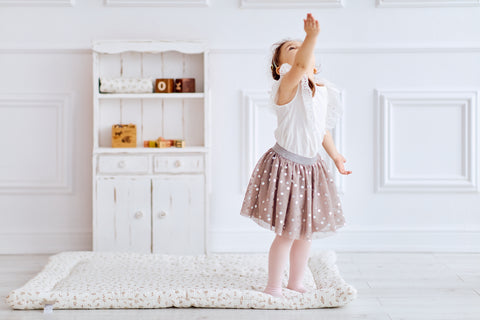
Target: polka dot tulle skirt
column 293, row 196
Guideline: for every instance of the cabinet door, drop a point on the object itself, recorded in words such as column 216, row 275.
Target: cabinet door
column 122, row 220
column 178, row 214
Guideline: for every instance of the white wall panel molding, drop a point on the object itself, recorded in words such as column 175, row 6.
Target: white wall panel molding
column 40, row 112
column 43, row 49
column 157, row 3
column 278, row 4
column 396, row 113
column 40, row 48
column 426, row 3
column 37, row 3
column 359, row 239
column 367, row 49
column 338, row 138
column 20, row 242
column 254, row 103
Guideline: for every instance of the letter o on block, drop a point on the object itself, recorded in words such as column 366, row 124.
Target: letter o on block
column 164, row 85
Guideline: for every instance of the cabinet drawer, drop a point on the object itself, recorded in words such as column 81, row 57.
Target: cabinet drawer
column 178, row 163
column 123, row 164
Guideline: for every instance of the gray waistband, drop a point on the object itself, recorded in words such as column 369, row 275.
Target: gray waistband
column 293, row 156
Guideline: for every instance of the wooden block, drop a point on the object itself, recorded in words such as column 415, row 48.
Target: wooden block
column 163, row 143
column 180, row 143
column 124, row 136
column 164, row 85
column 185, row 85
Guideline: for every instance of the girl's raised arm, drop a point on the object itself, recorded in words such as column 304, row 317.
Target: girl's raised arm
column 303, row 59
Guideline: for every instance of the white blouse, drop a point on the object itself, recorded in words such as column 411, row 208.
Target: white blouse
column 302, row 123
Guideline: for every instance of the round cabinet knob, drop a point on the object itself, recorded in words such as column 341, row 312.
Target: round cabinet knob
column 138, row 214
column 121, row 164
column 178, row 163
column 162, row 214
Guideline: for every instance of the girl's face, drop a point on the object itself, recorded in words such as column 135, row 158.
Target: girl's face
column 288, row 52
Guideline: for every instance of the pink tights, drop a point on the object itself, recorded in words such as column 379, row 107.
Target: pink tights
column 277, row 258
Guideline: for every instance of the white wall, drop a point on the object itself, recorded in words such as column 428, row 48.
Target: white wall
column 419, row 60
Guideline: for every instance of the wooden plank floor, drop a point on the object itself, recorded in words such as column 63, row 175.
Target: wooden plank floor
column 392, row 286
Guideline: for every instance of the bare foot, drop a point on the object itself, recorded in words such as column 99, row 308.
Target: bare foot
column 276, row 292
column 300, row 289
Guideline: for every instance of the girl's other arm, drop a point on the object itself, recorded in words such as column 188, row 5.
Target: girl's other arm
column 329, row 145
column 332, row 151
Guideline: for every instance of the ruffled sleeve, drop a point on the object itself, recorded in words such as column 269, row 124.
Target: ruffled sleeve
column 334, row 103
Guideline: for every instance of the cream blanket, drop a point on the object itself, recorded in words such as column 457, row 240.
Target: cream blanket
column 89, row 280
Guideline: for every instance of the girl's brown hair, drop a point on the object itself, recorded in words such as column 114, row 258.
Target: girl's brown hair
column 276, row 63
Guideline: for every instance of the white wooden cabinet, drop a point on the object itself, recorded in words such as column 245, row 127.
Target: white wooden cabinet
column 151, row 199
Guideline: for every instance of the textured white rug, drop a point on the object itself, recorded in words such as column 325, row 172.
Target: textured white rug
column 91, row 280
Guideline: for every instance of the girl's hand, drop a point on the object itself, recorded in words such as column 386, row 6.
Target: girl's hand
column 311, row 26
column 339, row 160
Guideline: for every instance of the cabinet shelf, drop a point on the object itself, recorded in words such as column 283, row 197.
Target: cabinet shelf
column 150, row 150
column 186, row 95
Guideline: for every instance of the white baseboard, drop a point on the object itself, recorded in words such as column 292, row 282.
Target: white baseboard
column 358, row 240
column 348, row 238
column 44, row 242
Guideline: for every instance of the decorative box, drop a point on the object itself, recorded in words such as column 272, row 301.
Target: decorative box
column 124, row 136
column 164, row 85
column 185, row 85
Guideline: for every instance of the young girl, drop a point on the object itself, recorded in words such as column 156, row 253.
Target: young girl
column 291, row 190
